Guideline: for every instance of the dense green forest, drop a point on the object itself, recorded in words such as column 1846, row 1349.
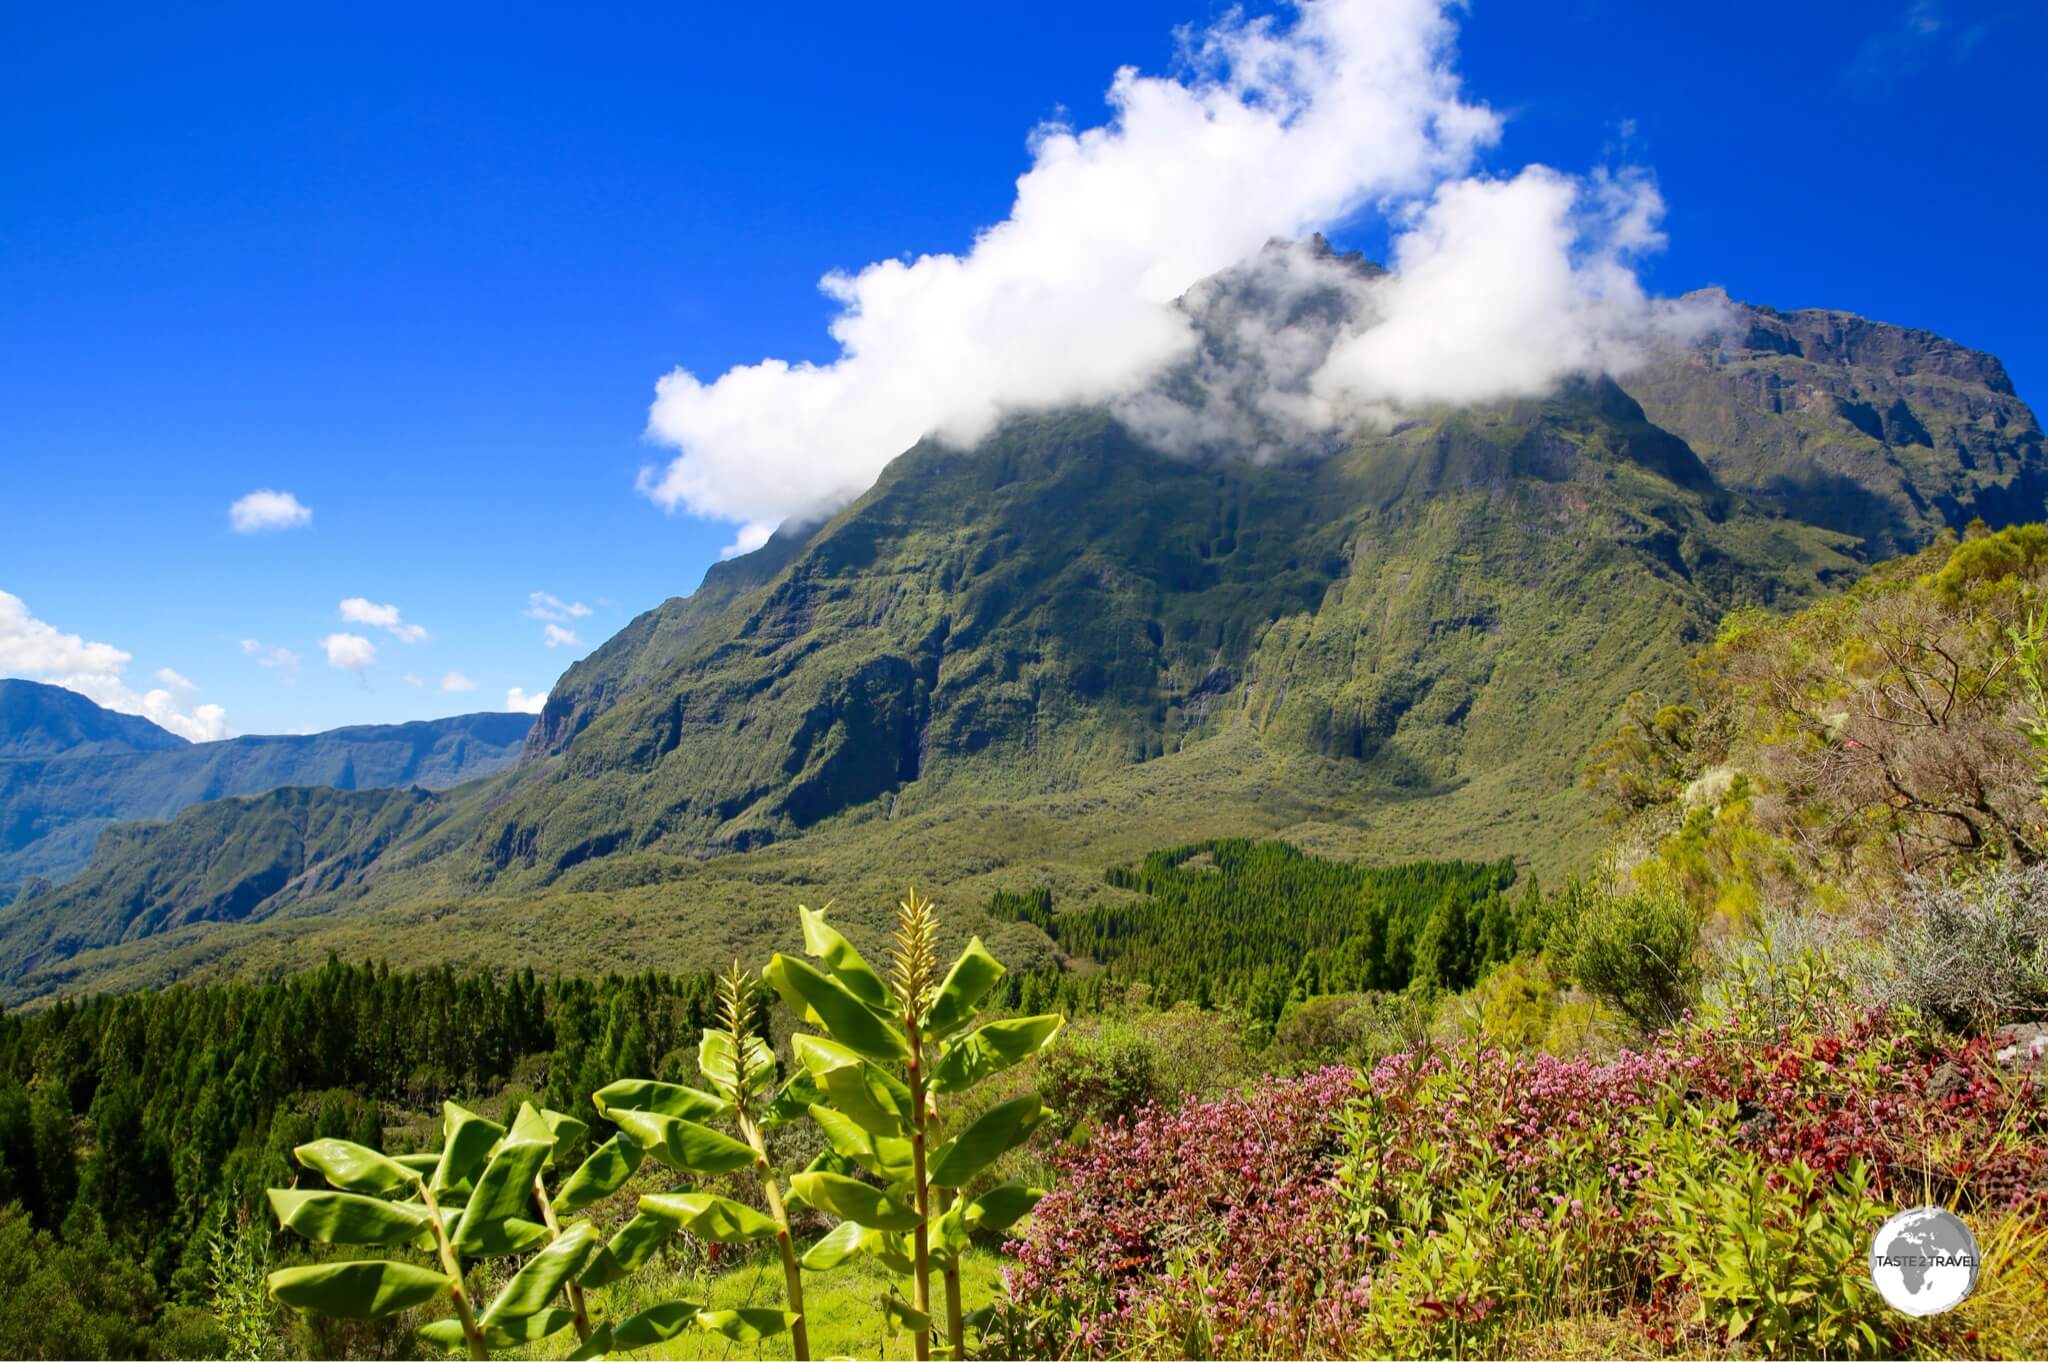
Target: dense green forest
column 1255, row 925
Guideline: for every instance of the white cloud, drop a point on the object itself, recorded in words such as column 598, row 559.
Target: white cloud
column 545, row 605
column 413, row 679
column 360, row 610
column 351, row 652
column 456, row 681
column 1277, row 130
column 518, row 701
column 558, row 637
column 267, row 655
column 31, row 648
column 268, row 510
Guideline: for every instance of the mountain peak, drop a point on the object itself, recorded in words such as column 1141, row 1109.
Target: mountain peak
column 38, row 720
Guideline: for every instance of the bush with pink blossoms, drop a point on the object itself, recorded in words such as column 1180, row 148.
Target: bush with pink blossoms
column 1474, row 1202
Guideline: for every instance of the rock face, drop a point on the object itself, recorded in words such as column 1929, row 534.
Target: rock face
column 75, row 768
column 1882, row 432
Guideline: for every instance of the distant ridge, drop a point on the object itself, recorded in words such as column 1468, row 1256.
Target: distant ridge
column 69, row 768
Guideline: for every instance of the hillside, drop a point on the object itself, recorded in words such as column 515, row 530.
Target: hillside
column 1062, row 649
column 49, row 721
column 73, row 768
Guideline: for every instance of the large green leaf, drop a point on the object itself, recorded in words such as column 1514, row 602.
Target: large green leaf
column 354, row 1167
column 890, row 1250
column 949, row 1234
column 508, row 1333
column 903, row 1315
column 1001, row 1207
column 422, row 1163
column 998, row 1130
column 500, row 1238
column 684, row 1145
column 970, row 979
column 853, row 1200
column 717, row 1218
column 845, row 1017
column 746, row 1326
column 603, row 1173
column 504, row 1189
column 655, row 1324
column 595, row 1347
column 537, row 1280
column 466, row 1143
column 843, row 962
column 991, row 1049
column 535, row 1123
column 887, row 1158
column 835, row 1248
column 715, row 1061
column 347, row 1217
column 855, row 1087
column 645, row 1094
column 367, row 1288
column 793, row 1100
column 628, row 1250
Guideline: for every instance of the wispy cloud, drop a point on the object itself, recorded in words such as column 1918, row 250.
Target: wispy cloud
column 456, row 682
column 558, row 637
column 265, row 510
column 545, row 605
column 1920, row 33
column 37, row 650
column 269, row 655
column 360, row 610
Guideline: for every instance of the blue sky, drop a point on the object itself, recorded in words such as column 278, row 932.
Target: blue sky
column 422, row 266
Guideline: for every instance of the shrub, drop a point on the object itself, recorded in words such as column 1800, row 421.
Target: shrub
column 1972, row 953
column 1638, row 952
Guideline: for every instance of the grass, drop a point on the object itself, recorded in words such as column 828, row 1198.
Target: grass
column 844, row 1319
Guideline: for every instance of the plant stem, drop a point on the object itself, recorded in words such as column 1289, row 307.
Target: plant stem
column 547, row 1214
column 451, row 1265
column 921, row 1261
column 956, row 1328
column 792, row 1272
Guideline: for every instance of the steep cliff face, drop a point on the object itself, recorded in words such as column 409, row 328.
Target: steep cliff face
column 1882, row 432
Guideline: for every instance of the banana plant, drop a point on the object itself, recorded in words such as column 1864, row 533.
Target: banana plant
column 468, row 1201
column 888, row 1050
column 667, row 1119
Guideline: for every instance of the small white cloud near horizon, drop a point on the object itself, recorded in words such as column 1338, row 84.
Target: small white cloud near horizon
column 558, row 637
column 266, row 510
column 350, row 652
column 275, row 657
column 35, row 650
column 519, row 702
column 362, row 610
column 546, row 605
column 456, row 682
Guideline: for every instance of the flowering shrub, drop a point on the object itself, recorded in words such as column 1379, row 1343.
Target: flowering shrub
column 1710, row 1192
column 1215, row 1229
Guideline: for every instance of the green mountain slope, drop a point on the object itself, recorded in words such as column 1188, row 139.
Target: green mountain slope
column 72, row 780
column 1021, row 663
